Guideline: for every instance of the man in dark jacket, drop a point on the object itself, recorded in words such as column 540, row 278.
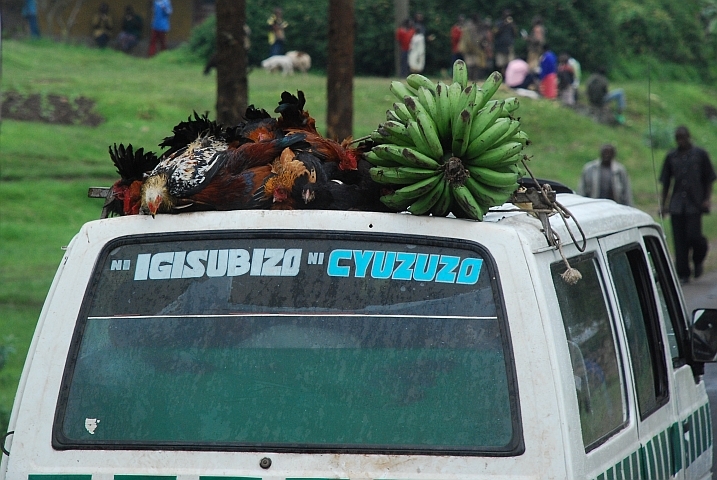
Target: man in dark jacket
column 693, row 175
column 503, row 40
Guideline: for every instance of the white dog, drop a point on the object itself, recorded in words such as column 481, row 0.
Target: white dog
column 293, row 60
column 277, row 63
column 300, row 60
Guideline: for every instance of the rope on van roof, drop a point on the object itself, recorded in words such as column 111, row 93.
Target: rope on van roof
column 541, row 202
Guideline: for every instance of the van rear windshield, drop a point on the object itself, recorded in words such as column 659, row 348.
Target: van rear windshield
column 300, row 344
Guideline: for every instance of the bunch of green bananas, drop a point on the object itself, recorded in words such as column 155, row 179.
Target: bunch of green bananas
column 448, row 148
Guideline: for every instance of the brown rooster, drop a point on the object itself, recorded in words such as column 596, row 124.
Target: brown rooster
column 290, row 175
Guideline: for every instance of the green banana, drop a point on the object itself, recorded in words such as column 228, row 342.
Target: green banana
column 402, row 112
column 513, row 160
column 387, row 152
column 419, row 141
column 392, row 116
column 454, row 94
column 484, row 118
column 416, row 81
column 521, row 137
column 478, row 101
column 425, row 202
column 400, row 90
column 465, row 99
column 399, row 175
column 493, row 156
column 491, row 85
column 488, row 138
column 418, row 159
column 426, row 98
column 405, row 156
column 460, row 73
column 461, row 130
column 489, row 196
column 511, row 104
column 493, row 177
column 396, row 202
column 428, row 128
column 443, row 111
column 512, row 130
column 419, row 188
column 396, row 130
column 379, row 161
column 443, row 205
column 465, row 200
column 379, row 137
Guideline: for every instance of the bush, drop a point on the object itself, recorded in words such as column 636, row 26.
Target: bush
column 202, row 43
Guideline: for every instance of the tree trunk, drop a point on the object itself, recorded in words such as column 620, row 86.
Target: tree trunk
column 340, row 71
column 232, row 85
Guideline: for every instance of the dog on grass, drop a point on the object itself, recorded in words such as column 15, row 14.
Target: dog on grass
column 286, row 64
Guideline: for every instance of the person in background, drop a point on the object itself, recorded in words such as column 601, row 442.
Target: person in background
column 456, row 31
column 417, row 48
column 548, row 73
column 518, row 74
column 162, row 10
column 606, row 178
column 29, row 12
column 503, row 41
column 132, row 25
column 485, row 32
column 691, row 169
column 566, row 79
column 599, row 95
column 277, row 32
column 102, row 26
column 576, row 81
column 535, row 40
column 470, row 46
column 404, row 34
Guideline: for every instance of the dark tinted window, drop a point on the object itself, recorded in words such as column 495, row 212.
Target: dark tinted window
column 668, row 300
column 639, row 314
column 292, row 344
column 591, row 343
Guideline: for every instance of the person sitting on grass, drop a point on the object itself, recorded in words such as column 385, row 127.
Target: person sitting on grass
column 599, row 95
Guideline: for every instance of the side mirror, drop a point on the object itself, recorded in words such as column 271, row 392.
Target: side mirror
column 704, row 335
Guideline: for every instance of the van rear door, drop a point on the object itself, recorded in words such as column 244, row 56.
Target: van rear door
column 314, row 342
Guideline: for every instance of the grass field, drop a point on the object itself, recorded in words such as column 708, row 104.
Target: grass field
column 45, row 169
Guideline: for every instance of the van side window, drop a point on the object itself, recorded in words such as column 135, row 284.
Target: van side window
column 591, row 343
column 642, row 328
column 668, row 301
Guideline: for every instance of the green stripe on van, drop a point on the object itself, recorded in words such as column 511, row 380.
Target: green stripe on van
column 676, row 445
column 699, row 440
column 43, row 476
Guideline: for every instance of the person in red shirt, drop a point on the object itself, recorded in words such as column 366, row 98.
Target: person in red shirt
column 404, row 34
column 456, row 31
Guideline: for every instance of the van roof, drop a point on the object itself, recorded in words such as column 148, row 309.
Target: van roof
column 595, row 217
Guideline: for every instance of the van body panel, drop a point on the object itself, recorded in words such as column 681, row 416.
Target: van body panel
column 524, row 268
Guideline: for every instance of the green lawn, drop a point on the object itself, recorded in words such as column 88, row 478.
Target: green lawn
column 45, row 169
